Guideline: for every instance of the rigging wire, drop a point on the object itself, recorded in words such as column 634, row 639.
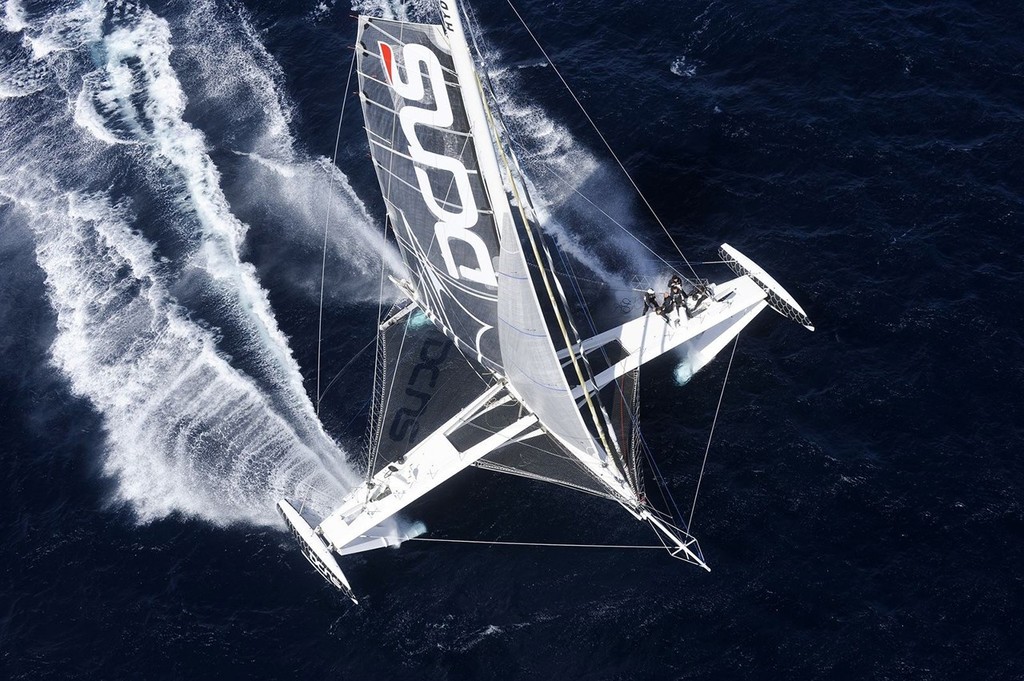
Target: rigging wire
column 347, row 365
column 327, row 223
column 516, row 146
column 700, row 477
column 618, row 224
column 603, row 139
column 532, row 543
column 547, row 283
column 663, row 488
column 634, row 237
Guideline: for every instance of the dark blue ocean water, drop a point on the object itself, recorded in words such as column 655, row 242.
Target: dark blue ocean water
column 163, row 187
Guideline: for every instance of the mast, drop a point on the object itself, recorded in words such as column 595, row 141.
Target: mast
column 451, row 22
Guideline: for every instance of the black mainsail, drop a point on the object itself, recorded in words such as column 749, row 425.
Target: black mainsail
column 423, row 151
column 435, row 153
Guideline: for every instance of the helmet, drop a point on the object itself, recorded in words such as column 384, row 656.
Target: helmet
column 650, row 290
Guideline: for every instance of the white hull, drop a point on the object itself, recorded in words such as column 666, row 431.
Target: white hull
column 355, row 525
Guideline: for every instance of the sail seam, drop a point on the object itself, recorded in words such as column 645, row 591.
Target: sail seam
column 409, row 158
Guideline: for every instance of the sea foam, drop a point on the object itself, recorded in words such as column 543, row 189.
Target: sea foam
column 186, row 432
column 189, row 428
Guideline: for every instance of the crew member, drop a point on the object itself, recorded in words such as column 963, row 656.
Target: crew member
column 667, row 305
column 696, row 298
column 651, row 302
column 675, row 287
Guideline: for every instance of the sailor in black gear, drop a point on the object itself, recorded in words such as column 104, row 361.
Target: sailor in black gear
column 675, row 287
column 667, row 306
column 696, row 298
column 650, row 302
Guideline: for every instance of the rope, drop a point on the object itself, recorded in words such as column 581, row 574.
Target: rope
column 689, row 523
column 347, row 365
column 615, row 222
column 599, row 134
column 530, row 543
column 327, row 223
column 663, row 488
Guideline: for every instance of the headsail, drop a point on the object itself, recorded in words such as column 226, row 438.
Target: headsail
column 422, row 381
column 529, row 345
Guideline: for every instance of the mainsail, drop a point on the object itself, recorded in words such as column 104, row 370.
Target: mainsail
column 433, row 145
column 422, row 147
column 522, row 395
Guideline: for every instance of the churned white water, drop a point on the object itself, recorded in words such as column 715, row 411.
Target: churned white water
column 189, row 428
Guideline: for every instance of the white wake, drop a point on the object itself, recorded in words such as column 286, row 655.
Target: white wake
column 189, row 428
column 186, row 432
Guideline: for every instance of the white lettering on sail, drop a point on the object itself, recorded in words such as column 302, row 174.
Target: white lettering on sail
column 452, row 224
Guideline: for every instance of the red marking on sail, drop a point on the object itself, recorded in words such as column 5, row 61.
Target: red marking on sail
column 388, row 58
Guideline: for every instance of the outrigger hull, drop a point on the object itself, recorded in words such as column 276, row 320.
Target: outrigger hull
column 314, row 549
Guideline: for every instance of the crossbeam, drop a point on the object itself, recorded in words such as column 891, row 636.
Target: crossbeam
column 734, row 304
column 430, row 463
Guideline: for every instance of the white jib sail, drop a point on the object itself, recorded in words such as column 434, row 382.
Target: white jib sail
column 529, row 356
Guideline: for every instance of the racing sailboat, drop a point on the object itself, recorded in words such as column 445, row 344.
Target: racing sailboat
column 482, row 363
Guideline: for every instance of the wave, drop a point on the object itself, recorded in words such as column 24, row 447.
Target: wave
column 63, row 30
column 141, row 87
column 162, row 325
column 14, row 16
column 683, row 69
column 21, row 74
column 186, row 432
column 311, row 191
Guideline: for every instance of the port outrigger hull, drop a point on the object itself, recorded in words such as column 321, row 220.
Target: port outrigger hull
column 314, row 549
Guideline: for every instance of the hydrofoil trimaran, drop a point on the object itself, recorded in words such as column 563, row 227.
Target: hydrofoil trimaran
column 522, row 393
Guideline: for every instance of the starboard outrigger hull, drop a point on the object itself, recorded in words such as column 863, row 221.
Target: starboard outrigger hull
column 314, row 549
